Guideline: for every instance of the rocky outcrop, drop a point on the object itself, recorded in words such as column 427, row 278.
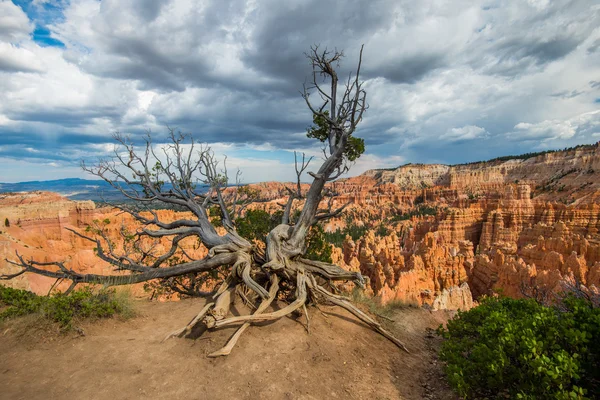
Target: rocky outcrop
column 36, row 229
column 451, row 233
column 432, row 274
column 533, row 223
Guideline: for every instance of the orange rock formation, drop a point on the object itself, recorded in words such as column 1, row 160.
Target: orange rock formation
column 499, row 225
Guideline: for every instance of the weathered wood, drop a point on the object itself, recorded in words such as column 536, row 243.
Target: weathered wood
column 226, row 350
column 337, row 300
column 293, row 306
column 188, row 328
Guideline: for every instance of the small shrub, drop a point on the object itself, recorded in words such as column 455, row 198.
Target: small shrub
column 318, row 248
column 6, row 222
column 256, row 224
column 420, row 211
column 354, row 231
column 520, row 349
column 382, row 230
column 64, row 309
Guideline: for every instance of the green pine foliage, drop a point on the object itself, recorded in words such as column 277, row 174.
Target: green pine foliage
column 320, row 130
column 419, row 211
column 256, row 224
column 354, row 231
column 318, row 246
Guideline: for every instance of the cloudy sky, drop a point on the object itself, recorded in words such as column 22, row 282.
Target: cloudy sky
column 447, row 81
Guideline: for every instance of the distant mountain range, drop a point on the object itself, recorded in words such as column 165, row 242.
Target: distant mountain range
column 73, row 188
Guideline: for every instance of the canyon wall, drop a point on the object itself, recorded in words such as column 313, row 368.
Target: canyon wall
column 501, row 226
column 504, row 226
column 36, row 226
column 435, row 235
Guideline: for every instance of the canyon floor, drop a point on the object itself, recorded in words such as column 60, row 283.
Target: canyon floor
column 125, row 359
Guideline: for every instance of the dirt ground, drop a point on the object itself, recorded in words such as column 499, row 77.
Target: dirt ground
column 125, row 359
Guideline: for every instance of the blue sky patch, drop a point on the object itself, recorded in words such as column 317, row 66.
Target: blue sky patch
column 42, row 15
column 43, row 37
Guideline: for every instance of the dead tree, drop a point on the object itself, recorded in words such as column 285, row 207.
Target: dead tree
column 171, row 174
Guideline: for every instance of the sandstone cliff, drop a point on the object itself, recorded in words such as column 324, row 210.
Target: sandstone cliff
column 37, row 229
column 451, row 233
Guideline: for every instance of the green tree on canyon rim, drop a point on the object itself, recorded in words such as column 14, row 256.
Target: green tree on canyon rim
column 169, row 175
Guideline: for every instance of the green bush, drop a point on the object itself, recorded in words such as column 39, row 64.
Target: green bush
column 520, row 349
column 354, row 231
column 257, row 224
column 318, row 248
column 61, row 308
column 419, row 211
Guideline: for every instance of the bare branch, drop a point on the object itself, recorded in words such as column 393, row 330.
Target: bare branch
column 342, row 120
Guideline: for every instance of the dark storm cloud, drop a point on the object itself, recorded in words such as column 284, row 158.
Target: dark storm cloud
column 272, row 39
column 439, row 74
column 39, row 140
column 137, row 59
column 166, row 55
column 411, row 69
column 65, row 117
column 239, row 118
column 284, row 31
column 517, row 56
column 149, row 9
column 566, row 94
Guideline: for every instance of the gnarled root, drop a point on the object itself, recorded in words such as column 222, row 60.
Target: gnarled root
column 188, row 328
column 221, row 308
column 293, row 306
column 262, row 307
column 245, row 277
column 344, row 303
column 332, row 272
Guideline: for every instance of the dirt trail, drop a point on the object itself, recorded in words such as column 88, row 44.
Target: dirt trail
column 339, row 359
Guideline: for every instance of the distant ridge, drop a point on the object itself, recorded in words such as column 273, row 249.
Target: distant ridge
column 72, row 188
column 523, row 156
column 58, row 181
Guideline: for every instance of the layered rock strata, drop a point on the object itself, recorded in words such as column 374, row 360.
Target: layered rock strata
column 451, row 233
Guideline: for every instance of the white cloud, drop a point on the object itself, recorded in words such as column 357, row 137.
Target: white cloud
column 465, row 133
column 14, row 24
column 18, row 59
column 229, row 73
column 553, row 130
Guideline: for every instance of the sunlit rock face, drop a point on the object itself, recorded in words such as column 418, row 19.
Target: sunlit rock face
column 452, row 233
column 38, row 224
column 495, row 226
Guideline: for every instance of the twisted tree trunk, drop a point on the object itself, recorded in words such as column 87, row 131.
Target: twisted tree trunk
column 260, row 277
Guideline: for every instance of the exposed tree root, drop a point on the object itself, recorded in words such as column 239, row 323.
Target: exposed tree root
column 213, row 315
column 344, row 303
column 262, row 307
column 307, row 318
column 188, row 328
column 286, row 272
column 300, row 299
